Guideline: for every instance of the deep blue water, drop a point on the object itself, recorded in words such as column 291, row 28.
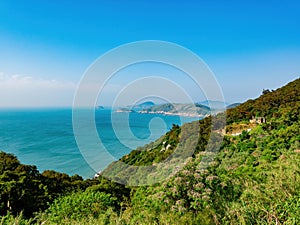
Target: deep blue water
column 45, row 137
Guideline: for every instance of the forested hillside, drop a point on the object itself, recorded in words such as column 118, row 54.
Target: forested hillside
column 253, row 179
column 284, row 102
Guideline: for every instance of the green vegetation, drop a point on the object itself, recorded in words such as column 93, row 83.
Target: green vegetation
column 154, row 152
column 253, row 179
column 24, row 189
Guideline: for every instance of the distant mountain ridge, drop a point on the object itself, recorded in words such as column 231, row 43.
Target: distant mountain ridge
column 233, row 105
column 201, row 109
column 142, row 106
column 182, row 109
column 214, row 104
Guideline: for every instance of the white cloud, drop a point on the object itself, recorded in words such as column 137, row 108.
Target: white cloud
column 25, row 91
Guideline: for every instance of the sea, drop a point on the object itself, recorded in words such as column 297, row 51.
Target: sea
column 45, row 137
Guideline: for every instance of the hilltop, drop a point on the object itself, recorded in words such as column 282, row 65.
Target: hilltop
column 214, row 104
column 144, row 105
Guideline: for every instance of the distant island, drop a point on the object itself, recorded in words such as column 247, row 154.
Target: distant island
column 213, row 104
column 100, row 107
column 233, row 105
column 179, row 109
column 200, row 109
column 124, row 110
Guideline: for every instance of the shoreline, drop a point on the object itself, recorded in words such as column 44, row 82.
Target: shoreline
column 167, row 113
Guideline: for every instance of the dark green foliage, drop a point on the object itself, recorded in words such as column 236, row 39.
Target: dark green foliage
column 59, row 183
column 116, row 190
column 20, row 185
column 8, row 162
column 24, row 189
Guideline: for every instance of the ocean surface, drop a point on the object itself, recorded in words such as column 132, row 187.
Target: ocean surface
column 45, row 137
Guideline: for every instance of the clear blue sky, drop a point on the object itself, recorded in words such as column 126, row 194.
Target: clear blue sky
column 47, row 45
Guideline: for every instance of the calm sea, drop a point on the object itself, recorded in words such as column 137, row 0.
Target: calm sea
column 45, row 138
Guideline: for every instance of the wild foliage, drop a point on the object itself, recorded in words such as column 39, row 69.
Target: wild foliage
column 24, row 189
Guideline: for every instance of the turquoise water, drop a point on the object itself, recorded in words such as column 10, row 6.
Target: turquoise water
column 45, row 138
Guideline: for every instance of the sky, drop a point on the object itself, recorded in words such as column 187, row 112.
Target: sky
column 47, row 46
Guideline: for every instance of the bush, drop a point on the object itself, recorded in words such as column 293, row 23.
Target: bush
column 80, row 205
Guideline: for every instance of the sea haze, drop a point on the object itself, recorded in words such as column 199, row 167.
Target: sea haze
column 44, row 137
